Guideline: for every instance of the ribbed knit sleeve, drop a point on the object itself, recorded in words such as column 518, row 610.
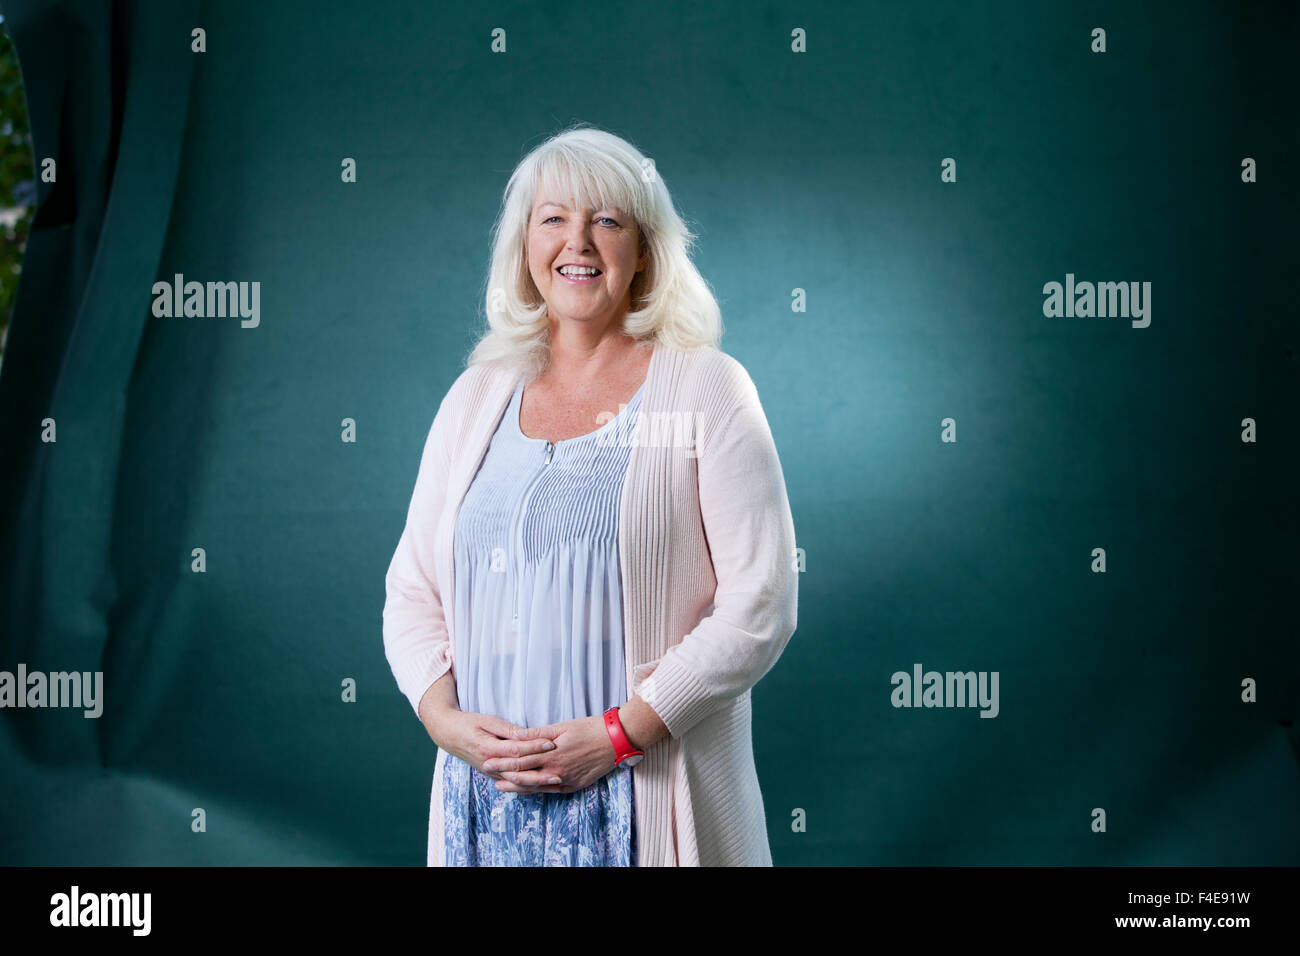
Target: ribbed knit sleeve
column 415, row 629
column 750, row 532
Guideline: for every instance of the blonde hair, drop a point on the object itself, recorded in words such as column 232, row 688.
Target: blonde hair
column 671, row 301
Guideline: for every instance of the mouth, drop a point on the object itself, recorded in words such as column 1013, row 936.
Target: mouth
column 583, row 279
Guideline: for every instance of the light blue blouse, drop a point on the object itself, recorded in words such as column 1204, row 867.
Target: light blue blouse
column 539, row 636
column 539, row 610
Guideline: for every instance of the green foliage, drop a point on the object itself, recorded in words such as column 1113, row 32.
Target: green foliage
column 17, row 179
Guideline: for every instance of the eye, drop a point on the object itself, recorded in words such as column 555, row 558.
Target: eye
column 601, row 219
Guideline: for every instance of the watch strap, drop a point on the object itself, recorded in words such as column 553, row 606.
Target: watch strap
column 622, row 746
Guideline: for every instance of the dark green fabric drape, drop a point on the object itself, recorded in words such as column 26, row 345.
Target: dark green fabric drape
column 107, row 99
column 224, row 691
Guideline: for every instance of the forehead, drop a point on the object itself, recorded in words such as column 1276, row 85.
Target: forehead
column 563, row 189
column 545, row 201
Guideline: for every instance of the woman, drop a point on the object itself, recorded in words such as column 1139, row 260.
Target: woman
column 598, row 560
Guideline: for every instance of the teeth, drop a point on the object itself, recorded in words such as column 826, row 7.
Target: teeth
column 578, row 271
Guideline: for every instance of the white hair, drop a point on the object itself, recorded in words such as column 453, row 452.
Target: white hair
column 671, row 301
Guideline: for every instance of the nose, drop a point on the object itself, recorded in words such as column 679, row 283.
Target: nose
column 577, row 235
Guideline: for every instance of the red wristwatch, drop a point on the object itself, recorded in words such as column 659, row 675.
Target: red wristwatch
column 626, row 755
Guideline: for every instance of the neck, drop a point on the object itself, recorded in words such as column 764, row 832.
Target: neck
column 580, row 354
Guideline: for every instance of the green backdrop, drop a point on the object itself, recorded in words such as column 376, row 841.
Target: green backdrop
column 820, row 171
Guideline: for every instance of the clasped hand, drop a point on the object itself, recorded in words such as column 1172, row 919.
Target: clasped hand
column 529, row 760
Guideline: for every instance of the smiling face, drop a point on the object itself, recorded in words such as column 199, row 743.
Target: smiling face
column 602, row 239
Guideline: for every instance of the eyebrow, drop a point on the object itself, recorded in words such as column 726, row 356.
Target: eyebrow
column 560, row 205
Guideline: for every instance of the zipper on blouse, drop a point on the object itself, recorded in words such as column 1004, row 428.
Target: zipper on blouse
column 518, row 534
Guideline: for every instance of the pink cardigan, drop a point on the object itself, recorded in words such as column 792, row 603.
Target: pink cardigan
column 710, row 588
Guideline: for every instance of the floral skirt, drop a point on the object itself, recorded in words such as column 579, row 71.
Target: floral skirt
column 485, row 826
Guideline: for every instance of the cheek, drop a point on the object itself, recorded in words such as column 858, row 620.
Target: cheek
column 535, row 250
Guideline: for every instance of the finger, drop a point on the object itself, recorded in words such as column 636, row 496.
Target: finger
column 505, row 730
column 494, row 747
column 533, row 733
column 528, row 762
column 532, row 778
column 498, row 726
